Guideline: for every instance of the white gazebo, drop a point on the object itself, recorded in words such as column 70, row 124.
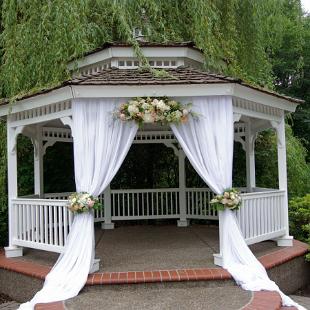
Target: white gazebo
column 42, row 221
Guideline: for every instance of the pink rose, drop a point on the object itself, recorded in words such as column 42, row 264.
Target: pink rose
column 122, row 117
column 90, row 203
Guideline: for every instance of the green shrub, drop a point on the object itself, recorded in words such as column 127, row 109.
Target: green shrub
column 299, row 213
column 3, row 187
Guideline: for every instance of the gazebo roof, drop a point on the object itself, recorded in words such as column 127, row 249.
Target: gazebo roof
column 137, row 77
column 189, row 44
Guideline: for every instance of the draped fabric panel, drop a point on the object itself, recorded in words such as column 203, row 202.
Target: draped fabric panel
column 100, row 146
column 207, row 141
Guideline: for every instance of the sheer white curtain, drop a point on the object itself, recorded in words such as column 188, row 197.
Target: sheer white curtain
column 100, row 146
column 208, row 143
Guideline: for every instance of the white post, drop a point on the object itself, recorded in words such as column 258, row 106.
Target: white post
column 250, row 158
column 182, row 222
column 38, row 163
column 286, row 240
column 218, row 257
column 107, row 210
column 12, row 250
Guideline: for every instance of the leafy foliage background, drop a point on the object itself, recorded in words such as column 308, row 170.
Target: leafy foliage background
column 265, row 42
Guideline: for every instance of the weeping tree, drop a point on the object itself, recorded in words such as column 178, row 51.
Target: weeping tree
column 39, row 37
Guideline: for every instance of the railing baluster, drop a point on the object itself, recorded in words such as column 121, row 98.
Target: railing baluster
column 41, row 224
column 60, row 227
column 55, row 226
column 50, row 224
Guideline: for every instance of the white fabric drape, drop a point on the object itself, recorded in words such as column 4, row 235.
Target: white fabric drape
column 100, row 146
column 208, row 143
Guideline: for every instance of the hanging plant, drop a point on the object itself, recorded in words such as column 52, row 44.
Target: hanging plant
column 83, row 202
column 230, row 199
column 154, row 110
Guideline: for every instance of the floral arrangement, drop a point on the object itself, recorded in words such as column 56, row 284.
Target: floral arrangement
column 83, row 202
column 230, row 199
column 153, row 110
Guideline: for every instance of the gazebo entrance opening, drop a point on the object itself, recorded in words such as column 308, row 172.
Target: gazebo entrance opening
column 42, row 221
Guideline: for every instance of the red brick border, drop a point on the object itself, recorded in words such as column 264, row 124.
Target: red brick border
column 59, row 305
column 264, row 300
column 128, row 277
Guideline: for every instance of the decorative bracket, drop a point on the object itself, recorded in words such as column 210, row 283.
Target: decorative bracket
column 239, row 139
column 276, row 125
column 173, row 147
column 67, row 120
column 13, row 139
column 237, row 117
column 48, row 144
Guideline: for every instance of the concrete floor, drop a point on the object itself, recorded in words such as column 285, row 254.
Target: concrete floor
column 153, row 247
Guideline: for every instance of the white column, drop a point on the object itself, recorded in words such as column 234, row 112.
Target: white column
column 182, row 222
column 107, row 210
column 218, row 257
column 12, row 250
column 38, row 163
column 286, row 240
column 250, row 157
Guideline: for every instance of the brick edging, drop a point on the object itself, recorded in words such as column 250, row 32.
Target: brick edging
column 58, row 305
column 264, row 300
column 128, row 277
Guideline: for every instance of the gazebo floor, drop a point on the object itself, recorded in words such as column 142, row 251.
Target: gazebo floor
column 153, row 247
column 163, row 260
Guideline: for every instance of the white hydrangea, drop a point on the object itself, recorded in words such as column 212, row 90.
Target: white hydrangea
column 148, row 118
column 132, row 109
column 145, row 106
column 162, row 106
column 154, row 102
column 178, row 114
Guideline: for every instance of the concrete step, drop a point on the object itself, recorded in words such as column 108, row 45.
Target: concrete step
column 157, row 297
column 304, row 301
column 11, row 305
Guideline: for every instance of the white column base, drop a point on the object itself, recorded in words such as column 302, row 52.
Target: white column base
column 13, row 251
column 107, row 225
column 95, row 266
column 218, row 259
column 285, row 241
column 183, row 223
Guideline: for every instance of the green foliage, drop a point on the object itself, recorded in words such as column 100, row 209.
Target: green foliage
column 3, row 186
column 299, row 213
column 238, row 37
column 266, row 163
column 25, row 174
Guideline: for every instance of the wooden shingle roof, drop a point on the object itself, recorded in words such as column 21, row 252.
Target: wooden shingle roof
column 180, row 75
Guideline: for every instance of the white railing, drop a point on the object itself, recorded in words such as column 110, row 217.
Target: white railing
column 198, row 204
column 145, row 204
column 45, row 223
column 41, row 223
column 58, row 196
column 261, row 216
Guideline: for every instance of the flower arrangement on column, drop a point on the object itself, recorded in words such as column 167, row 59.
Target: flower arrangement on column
column 230, row 199
column 83, row 202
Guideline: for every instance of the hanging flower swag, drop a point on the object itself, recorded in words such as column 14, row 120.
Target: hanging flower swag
column 154, row 110
column 230, row 199
column 83, row 202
